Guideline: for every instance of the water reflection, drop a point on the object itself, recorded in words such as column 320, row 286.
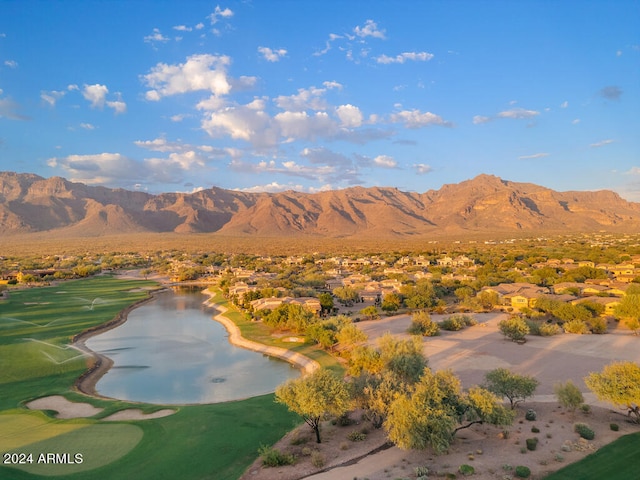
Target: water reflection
column 170, row 351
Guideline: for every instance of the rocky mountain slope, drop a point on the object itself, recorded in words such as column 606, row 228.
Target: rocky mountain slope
column 485, row 204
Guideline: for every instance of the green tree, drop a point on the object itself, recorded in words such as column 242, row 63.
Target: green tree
column 618, row 383
column 515, row 328
column 370, row 312
column 346, row 294
column 629, row 310
column 315, row 396
column 436, row 408
column 391, row 302
column 516, row 388
column 350, row 335
column 403, row 358
column 568, row 395
column 326, row 302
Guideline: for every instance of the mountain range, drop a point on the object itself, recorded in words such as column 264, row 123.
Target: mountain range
column 485, row 204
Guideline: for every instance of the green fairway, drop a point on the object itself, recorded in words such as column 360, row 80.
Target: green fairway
column 198, row 442
column 616, row 461
column 81, row 449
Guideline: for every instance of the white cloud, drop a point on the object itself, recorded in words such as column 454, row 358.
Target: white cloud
column 329, row 85
column 52, row 97
column 72, row 87
column 102, row 168
column 182, row 28
column 118, row 106
column 385, row 161
column 87, row 126
column 199, row 72
column 634, row 171
column 564, row 104
column 602, row 143
column 535, row 155
column 349, row 116
column 403, row 57
column 416, row 119
column 300, row 125
column 370, row 29
column 95, row 94
column 11, row 63
column 518, row 113
column 273, row 187
column 575, row 121
column 479, row 119
column 422, row 168
column 271, row 55
column 219, row 13
column 242, row 123
column 332, row 38
column 156, row 36
column 305, row 99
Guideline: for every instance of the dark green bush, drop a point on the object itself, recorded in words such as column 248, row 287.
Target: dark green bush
column 272, row 457
column 530, row 415
column 466, row 469
column 357, row 436
column 584, row 431
column 522, row 471
column 614, row 427
column 453, row 323
column 532, row 443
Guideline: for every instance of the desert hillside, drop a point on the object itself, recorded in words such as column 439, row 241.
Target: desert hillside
column 484, row 204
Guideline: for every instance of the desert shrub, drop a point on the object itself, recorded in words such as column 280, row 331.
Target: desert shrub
column 272, row 457
column 584, row 431
column 530, row 415
column 522, row 471
column 535, row 429
column 357, row 436
column 344, row 420
column 614, row 427
column 514, row 328
column 453, row 323
column 318, row 459
column 576, row 326
column 465, row 469
column 421, row 324
column 534, row 327
column 549, row 329
column 598, row 325
column 585, row 408
column 421, row 471
column 532, row 443
column 469, row 321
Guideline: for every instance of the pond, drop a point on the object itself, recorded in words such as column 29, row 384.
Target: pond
column 171, row 351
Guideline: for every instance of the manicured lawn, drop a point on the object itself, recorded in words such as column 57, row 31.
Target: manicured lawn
column 617, row 461
column 198, row 442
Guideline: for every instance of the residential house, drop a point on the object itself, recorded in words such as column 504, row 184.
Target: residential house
column 517, row 295
column 609, row 303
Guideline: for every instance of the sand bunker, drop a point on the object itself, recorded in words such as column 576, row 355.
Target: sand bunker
column 137, row 414
column 68, row 409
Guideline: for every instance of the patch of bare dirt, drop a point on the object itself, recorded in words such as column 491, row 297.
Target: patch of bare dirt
column 493, row 452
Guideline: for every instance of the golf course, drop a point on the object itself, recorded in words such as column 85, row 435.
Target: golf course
column 37, row 328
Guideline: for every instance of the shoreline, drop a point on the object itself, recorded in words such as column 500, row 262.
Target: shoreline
column 87, row 382
column 306, row 364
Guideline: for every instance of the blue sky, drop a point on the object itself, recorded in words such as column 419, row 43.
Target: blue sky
column 307, row 95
